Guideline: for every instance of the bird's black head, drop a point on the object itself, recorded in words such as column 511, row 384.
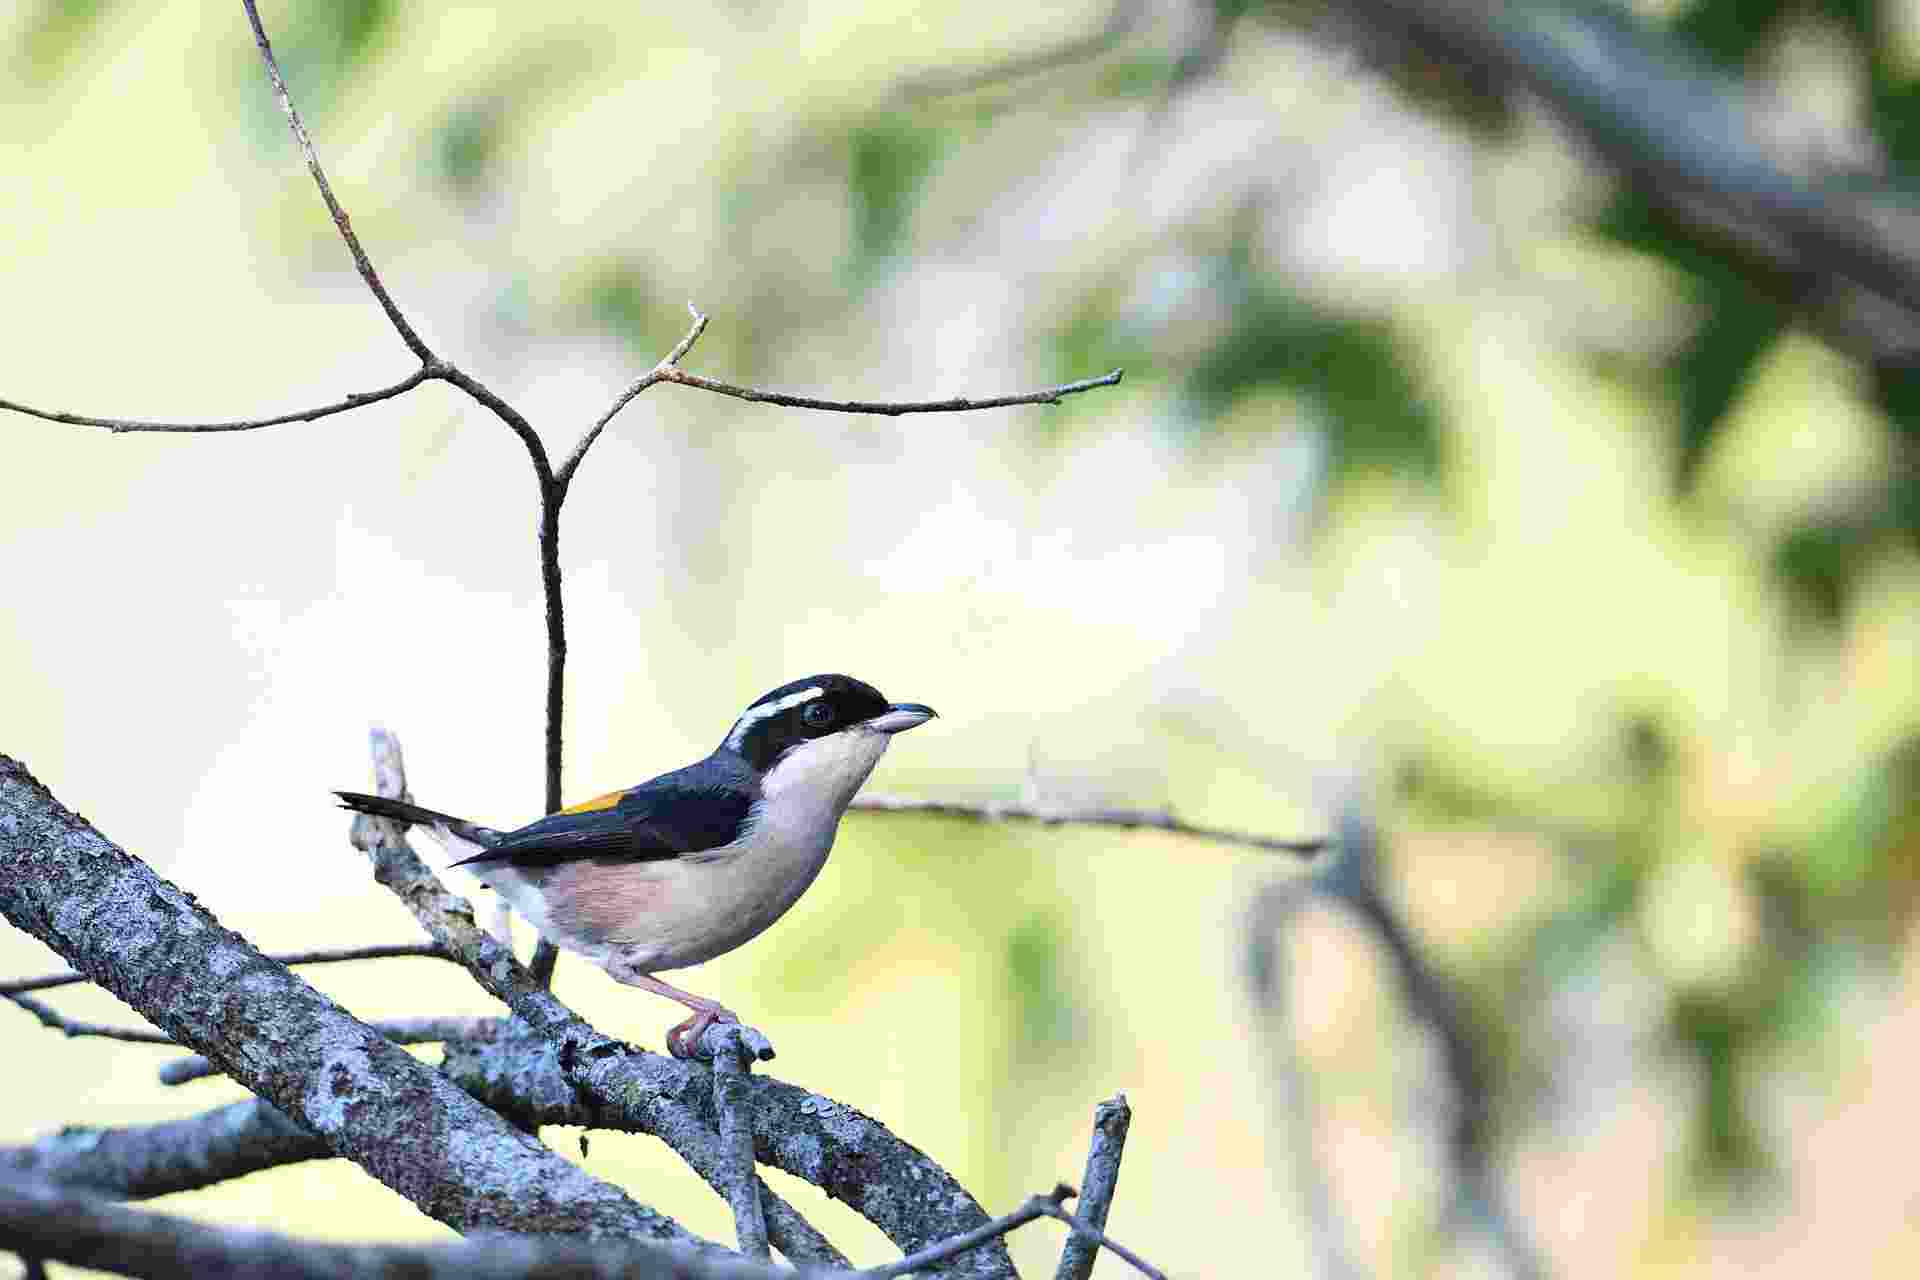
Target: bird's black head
column 815, row 707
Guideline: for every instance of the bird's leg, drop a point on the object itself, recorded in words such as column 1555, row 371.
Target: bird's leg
column 684, row 1039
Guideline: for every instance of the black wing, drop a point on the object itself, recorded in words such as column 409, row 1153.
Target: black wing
column 703, row 806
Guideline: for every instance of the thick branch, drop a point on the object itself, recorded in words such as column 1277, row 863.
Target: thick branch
column 355, row 400
column 1111, row 1120
column 1150, row 819
column 138, row 1162
column 152, row 945
column 80, row 1229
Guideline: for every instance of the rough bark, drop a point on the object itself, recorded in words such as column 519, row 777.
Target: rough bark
column 151, row 944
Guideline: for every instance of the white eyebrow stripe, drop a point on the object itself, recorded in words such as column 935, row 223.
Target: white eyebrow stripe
column 756, row 714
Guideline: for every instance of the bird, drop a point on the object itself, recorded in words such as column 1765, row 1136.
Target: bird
column 691, row 864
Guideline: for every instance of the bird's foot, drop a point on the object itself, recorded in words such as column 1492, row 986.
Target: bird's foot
column 683, row 1040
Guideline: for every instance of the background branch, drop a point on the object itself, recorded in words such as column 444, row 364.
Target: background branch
column 355, row 400
column 380, row 951
column 1148, row 819
column 428, row 1030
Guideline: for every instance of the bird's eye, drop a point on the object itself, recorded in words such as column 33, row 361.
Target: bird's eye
column 817, row 715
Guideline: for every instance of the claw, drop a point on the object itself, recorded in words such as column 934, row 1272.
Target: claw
column 683, row 1040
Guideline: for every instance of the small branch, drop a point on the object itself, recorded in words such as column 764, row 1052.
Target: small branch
column 891, row 409
column 733, row 1101
column 564, row 476
column 379, row 951
column 1080, row 1227
column 430, row 1030
column 1148, row 819
column 360, row 260
column 87, row 1231
column 73, row 1028
column 1111, row 1119
column 1035, row 1207
column 354, row 400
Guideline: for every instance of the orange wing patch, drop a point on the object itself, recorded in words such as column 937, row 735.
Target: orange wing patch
column 596, row 804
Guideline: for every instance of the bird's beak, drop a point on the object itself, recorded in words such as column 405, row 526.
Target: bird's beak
column 902, row 716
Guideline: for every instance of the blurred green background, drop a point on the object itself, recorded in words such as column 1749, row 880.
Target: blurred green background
column 1446, row 474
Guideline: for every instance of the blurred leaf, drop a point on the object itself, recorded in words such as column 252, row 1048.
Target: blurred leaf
column 1742, row 322
column 1142, row 75
column 1375, row 414
column 317, row 52
column 1818, row 565
column 56, row 29
column 466, row 142
column 1728, row 31
column 1726, row 1143
column 888, row 160
column 1046, row 1015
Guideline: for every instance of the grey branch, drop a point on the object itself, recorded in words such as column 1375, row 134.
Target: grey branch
column 647, row 1093
column 733, row 1100
column 888, row 408
column 1149, row 819
column 1081, row 1227
column 83, row 1230
column 361, row 262
column 430, row 1030
column 1690, row 139
column 1111, row 1119
column 355, row 400
column 564, row 476
column 73, row 1028
column 332, row 955
column 148, row 942
column 138, row 1162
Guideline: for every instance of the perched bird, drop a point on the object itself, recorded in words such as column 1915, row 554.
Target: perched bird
column 688, row 866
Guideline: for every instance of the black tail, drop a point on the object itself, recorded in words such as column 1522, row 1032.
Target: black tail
column 413, row 814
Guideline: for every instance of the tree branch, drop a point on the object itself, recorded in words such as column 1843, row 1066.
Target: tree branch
column 138, row 1162
column 1121, row 21
column 361, row 262
column 74, row 1029
column 564, row 477
column 151, row 944
column 1111, row 1119
column 1130, row 819
column 888, row 408
column 379, row 951
column 733, row 1102
column 86, row 1231
column 354, row 400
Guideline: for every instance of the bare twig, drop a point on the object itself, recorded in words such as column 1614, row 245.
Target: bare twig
column 1150, row 819
column 380, row 951
column 355, row 400
column 1035, row 1207
column 564, row 476
column 73, row 1028
column 1052, row 1209
column 87, row 1231
column 1111, row 1120
column 361, row 262
column 1046, row 1206
column 138, row 1162
column 888, row 408
column 733, row 1101
column 429, row 1030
